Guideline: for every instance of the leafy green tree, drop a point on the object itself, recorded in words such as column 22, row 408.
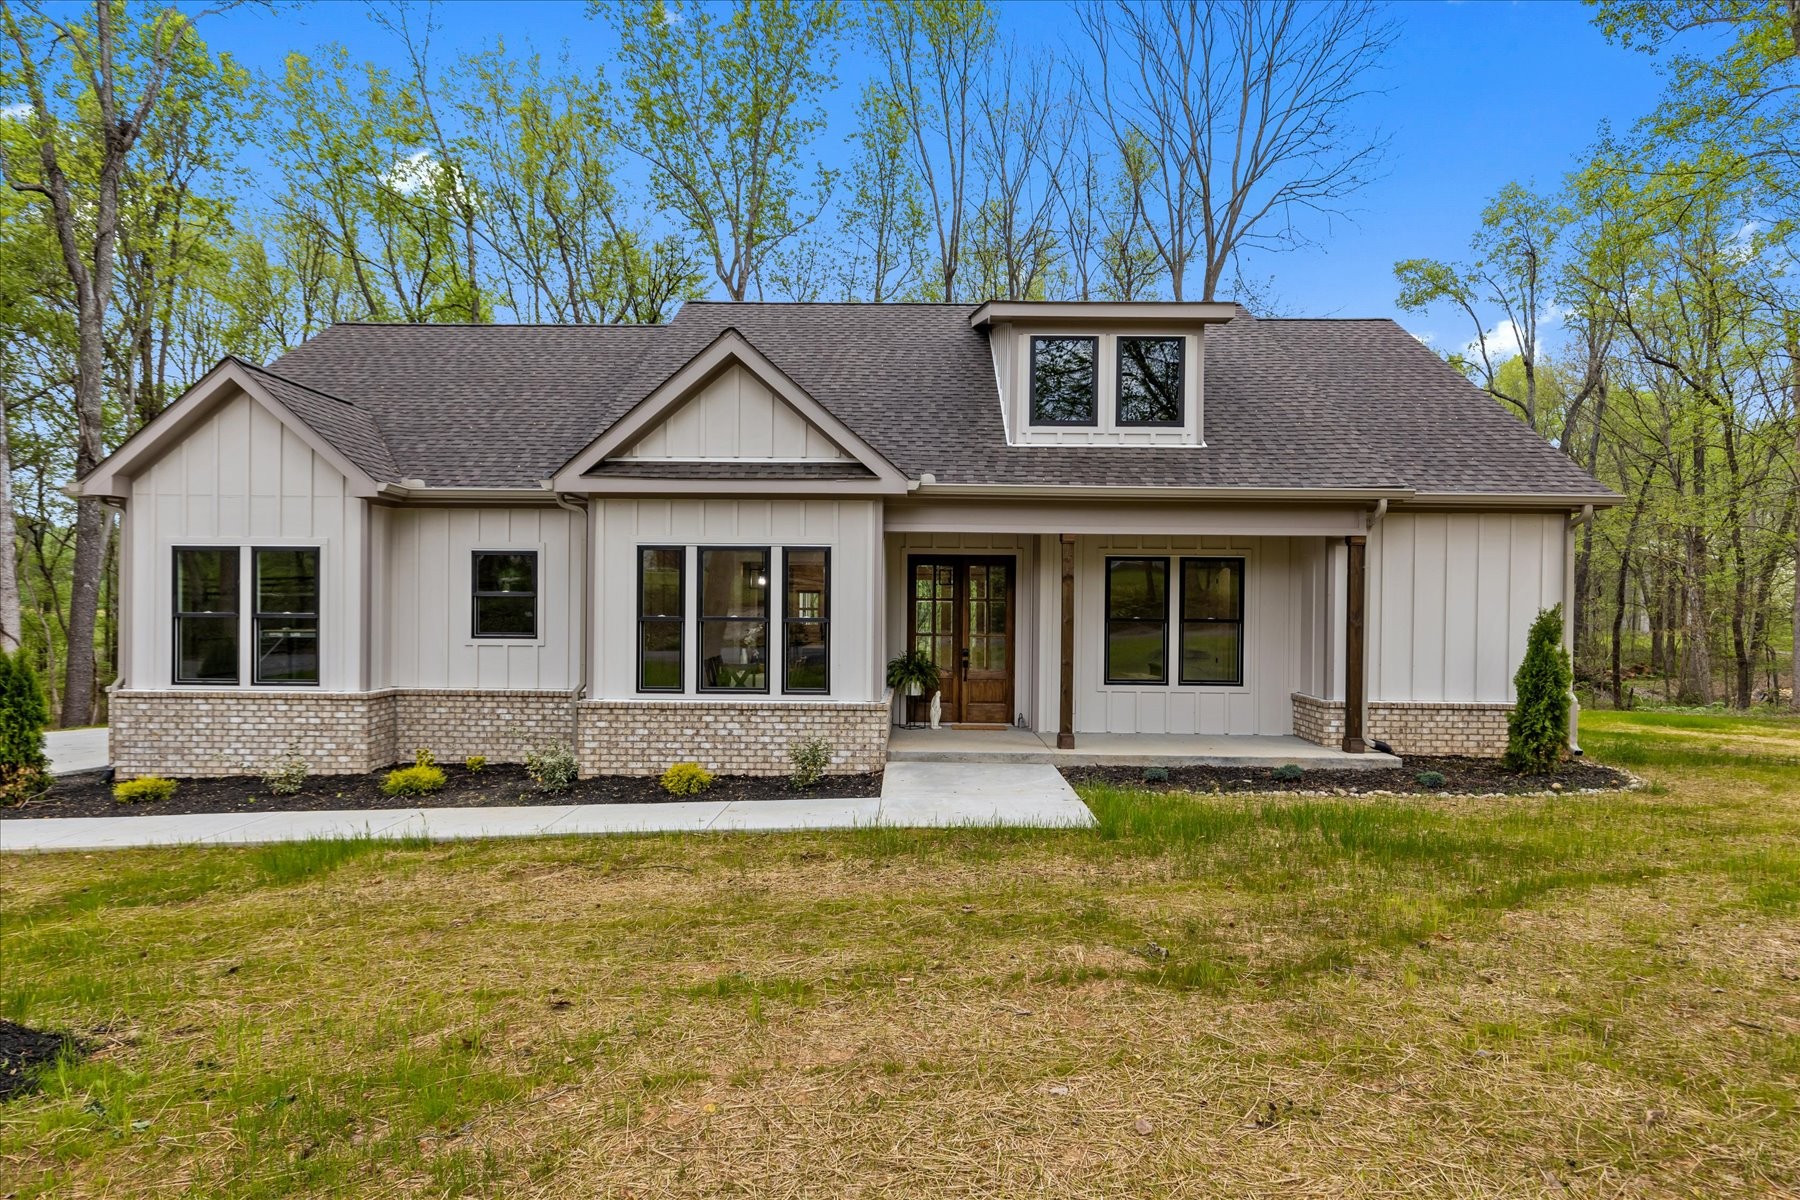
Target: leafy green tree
column 724, row 111
column 23, row 714
column 1537, row 732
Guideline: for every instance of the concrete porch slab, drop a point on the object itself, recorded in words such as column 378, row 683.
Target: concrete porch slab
column 1011, row 793
column 1122, row 750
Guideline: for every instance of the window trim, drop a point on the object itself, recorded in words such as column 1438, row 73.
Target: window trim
column 823, row 621
column 679, row 620
column 257, row 615
column 1119, row 420
column 700, row 620
column 476, row 595
column 1106, row 620
column 1031, row 412
column 1242, row 621
column 178, row 614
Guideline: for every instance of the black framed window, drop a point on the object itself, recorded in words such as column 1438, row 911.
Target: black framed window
column 505, row 593
column 1212, row 621
column 1150, row 380
column 285, row 616
column 206, row 614
column 662, row 616
column 806, row 620
column 1064, row 382
column 1137, row 620
column 734, row 619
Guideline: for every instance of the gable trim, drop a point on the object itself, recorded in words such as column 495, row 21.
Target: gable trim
column 729, row 349
column 113, row 477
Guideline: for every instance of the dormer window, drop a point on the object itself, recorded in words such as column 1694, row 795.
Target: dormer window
column 1151, row 380
column 1064, row 380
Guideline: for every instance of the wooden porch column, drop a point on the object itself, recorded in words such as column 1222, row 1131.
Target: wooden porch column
column 1065, row 728
column 1355, row 632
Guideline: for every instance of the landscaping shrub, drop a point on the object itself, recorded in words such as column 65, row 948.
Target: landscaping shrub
column 552, row 767
column 1156, row 774
column 686, row 779
column 22, row 717
column 1288, row 772
column 475, row 764
column 144, row 790
column 809, row 759
column 423, row 777
column 1537, row 733
column 288, row 776
column 1430, row 779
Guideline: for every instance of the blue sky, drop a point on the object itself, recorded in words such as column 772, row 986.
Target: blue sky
column 1475, row 95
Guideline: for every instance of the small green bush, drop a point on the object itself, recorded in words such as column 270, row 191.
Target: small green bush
column 1289, row 772
column 288, row 776
column 1537, row 733
column 686, row 779
column 1156, row 774
column 475, row 764
column 1429, row 779
column 422, row 757
column 419, row 780
column 144, row 790
column 552, row 767
column 23, row 714
column 809, row 759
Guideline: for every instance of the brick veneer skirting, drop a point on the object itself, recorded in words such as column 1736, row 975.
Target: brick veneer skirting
column 231, row 732
column 737, row 737
column 502, row 726
column 1474, row 730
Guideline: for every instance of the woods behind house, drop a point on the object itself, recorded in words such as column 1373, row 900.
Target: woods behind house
column 165, row 207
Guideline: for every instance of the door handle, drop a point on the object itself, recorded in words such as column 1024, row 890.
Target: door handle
column 965, row 662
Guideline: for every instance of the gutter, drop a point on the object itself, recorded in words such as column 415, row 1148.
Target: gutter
column 1479, row 500
column 416, row 491
column 930, row 487
column 579, row 507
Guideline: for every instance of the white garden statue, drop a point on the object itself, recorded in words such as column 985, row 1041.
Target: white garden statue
column 937, row 708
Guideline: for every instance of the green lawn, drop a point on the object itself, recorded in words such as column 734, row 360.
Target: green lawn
column 1205, row 995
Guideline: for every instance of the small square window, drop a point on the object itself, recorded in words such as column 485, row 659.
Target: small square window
column 1063, row 380
column 1150, row 380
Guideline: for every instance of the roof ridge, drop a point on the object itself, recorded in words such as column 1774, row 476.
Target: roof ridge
column 501, row 325
column 305, row 387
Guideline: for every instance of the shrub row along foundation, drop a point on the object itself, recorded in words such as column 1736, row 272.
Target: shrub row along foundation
column 235, row 732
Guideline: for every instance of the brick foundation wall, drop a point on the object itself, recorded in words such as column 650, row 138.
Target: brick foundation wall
column 736, row 737
column 454, row 724
column 229, row 732
column 1470, row 730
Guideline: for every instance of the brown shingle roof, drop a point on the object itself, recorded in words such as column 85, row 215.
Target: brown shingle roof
column 1289, row 404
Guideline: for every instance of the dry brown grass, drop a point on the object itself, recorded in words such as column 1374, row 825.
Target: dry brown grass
column 1594, row 996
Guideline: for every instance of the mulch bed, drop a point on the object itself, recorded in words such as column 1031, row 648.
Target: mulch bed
column 22, row 1051
column 1462, row 776
column 90, row 795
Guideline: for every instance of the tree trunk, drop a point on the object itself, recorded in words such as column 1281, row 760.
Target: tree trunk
column 11, row 633
column 1695, row 686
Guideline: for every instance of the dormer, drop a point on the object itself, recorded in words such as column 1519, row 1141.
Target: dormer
column 1099, row 374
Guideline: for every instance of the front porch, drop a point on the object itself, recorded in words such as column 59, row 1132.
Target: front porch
column 1125, row 749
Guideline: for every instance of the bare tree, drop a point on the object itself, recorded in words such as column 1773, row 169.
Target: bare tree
column 1027, row 128
column 80, row 202
column 1245, row 110
column 933, row 51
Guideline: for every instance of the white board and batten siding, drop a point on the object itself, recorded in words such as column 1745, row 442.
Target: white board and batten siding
column 241, row 478
column 735, row 417
column 1452, row 596
column 1281, row 640
column 850, row 529
column 423, row 606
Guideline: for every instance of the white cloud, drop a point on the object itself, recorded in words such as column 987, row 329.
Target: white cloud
column 15, row 112
column 1502, row 343
column 413, row 173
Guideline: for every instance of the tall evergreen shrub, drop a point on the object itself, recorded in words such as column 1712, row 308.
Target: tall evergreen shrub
column 23, row 715
column 1537, row 733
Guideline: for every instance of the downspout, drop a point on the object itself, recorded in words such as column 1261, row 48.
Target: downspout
column 587, row 592
column 1576, row 521
column 1380, row 511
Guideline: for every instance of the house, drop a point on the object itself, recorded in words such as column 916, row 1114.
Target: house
column 704, row 540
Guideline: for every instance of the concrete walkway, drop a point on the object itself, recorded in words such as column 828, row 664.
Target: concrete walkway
column 913, row 795
column 72, row 750
column 1124, row 750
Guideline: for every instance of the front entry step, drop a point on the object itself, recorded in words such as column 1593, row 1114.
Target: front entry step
column 1123, row 750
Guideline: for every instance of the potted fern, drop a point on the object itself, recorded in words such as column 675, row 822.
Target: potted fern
column 913, row 674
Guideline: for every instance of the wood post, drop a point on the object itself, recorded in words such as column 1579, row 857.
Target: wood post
column 1355, row 640
column 1065, row 729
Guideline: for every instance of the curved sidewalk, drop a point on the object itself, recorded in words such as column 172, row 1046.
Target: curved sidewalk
column 913, row 795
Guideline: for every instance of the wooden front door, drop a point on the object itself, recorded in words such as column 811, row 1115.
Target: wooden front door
column 962, row 616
